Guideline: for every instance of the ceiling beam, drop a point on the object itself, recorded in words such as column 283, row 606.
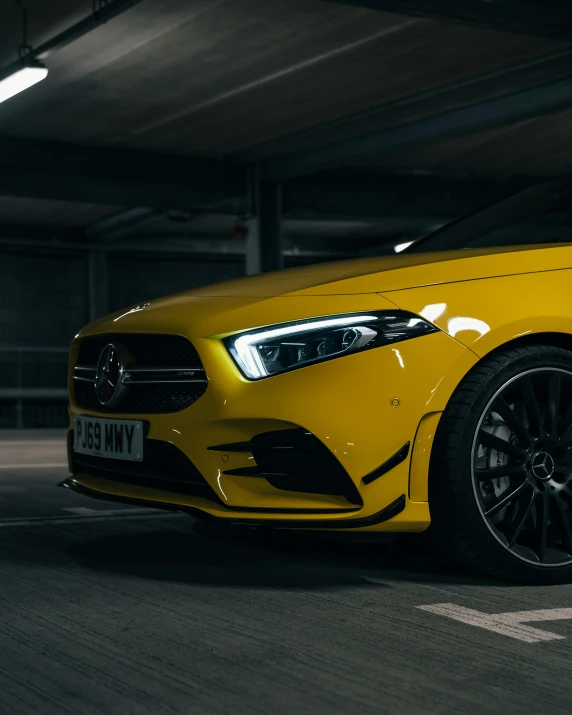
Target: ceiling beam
column 364, row 194
column 549, row 18
column 121, row 177
column 480, row 116
column 120, row 224
column 214, row 248
column 47, row 233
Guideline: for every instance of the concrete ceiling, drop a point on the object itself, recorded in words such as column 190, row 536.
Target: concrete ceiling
column 541, row 145
column 209, row 78
column 165, row 103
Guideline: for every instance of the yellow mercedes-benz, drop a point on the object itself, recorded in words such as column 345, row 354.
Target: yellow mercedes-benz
column 387, row 394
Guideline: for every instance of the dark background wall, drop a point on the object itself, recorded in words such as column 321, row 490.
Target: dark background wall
column 133, row 279
column 44, row 302
column 42, row 298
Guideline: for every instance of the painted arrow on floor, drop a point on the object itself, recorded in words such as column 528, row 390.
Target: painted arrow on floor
column 507, row 624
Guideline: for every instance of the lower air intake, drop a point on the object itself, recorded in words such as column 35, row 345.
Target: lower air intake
column 295, row 460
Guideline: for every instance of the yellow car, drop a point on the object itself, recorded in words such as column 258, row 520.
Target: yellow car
column 381, row 395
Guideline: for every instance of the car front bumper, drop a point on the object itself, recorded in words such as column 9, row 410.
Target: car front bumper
column 364, row 409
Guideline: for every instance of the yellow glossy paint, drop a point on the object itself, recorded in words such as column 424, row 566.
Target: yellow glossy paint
column 419, row 472
column 479, row 300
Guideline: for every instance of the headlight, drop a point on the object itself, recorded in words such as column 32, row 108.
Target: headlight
column 280, row 348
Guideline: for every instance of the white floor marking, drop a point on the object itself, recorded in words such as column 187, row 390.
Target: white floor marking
column 54, row 465
column 506, row 624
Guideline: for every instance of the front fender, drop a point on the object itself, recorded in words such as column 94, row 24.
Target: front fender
column 485, row 314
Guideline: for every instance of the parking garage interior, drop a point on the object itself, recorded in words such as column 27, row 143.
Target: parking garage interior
column 179, row 143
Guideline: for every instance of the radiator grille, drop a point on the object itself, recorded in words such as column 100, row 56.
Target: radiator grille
column 167, row 376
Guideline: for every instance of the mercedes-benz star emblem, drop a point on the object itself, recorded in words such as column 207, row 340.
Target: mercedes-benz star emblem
column 108, row 376
column 542, row 466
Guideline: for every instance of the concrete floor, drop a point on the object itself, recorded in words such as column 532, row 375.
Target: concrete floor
column 117, row 610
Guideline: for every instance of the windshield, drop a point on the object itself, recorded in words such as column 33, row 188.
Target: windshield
column 541, row 214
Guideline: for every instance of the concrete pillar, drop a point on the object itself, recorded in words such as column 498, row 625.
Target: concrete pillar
column 263, row 240
column 97, row 285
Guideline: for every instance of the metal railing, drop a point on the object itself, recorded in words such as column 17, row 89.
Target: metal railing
column 33, row 389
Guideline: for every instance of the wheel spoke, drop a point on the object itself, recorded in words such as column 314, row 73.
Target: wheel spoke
column 567, row 423
column 567, row 532
column 554, row 393
column 512, row 421
column 505, row 500
column 522, row 512
column 542, row 525
column 532, row 406
column 508, row 470
column 501, row 445
column 566, row 493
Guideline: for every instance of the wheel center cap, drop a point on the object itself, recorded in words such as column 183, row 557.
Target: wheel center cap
column 542, row 466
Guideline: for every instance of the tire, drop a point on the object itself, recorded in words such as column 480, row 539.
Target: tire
column 500, row 478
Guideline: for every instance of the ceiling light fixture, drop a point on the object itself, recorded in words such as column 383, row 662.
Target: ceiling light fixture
column 31, row 71
column 20, row 80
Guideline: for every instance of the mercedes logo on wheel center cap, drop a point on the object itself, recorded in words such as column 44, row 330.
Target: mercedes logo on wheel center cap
column 542, row 465
column 108, row 376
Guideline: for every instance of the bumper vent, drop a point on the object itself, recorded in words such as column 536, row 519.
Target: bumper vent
column 294, row 460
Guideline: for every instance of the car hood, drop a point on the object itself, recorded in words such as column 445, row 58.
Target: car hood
column 390, row 273
column 349, row 286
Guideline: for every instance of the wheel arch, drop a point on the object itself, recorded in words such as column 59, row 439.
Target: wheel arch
column 550, row 338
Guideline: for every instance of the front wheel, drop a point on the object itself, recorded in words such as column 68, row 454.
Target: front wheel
column 500, row 486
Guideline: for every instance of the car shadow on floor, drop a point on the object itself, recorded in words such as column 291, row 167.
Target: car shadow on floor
column 240, row 557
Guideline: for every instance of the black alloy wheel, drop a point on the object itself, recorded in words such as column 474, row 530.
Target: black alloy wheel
column 500, row 483
column 522, row 466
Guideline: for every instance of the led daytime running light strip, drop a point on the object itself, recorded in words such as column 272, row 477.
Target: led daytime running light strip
column 248, row 354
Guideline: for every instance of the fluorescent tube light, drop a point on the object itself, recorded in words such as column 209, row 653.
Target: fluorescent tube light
column 21, row 80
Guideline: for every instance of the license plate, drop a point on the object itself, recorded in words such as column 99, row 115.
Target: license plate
column 114, row 439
